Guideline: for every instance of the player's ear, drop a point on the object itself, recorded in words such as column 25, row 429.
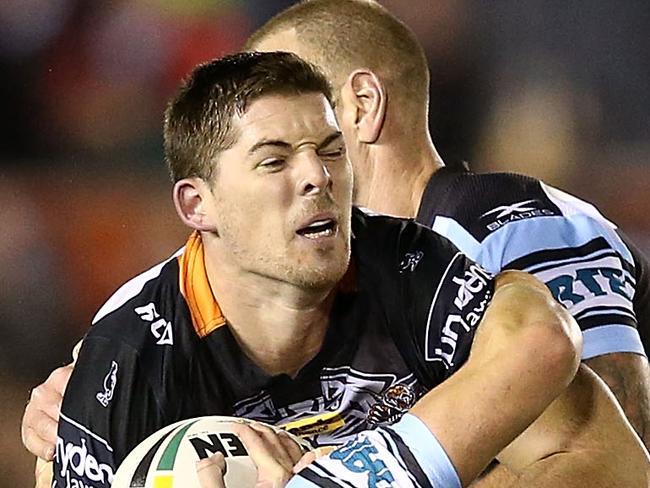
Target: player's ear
column 191, row 196
column 364, row 95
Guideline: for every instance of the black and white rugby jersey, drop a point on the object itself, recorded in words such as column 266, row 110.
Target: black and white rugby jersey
column 405, row 455
column 511, row 221
column 160, row 351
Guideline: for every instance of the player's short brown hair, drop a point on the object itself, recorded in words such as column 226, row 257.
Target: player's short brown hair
column 198, row 120
column 343, row 35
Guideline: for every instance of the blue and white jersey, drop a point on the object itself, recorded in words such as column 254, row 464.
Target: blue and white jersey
column 510, row 221
column 405, row 455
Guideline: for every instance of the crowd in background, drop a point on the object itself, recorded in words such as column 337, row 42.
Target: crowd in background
column 554, row 89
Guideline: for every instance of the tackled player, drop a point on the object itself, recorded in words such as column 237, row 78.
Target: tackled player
column 320, row 318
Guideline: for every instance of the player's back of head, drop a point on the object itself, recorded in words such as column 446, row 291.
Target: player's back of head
column 340, row 36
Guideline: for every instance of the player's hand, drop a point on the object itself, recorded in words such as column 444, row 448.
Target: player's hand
column 311, row 456
column 41, row 416
column 43, row 472
column 211, row 471
column 274, row 453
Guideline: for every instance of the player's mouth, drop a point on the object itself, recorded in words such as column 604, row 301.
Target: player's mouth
column 319, row 227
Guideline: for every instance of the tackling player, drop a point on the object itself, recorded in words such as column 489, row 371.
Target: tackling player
column 325, row 334
column 502, row 221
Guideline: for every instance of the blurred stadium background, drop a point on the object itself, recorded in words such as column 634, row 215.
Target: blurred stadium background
column 555, row 89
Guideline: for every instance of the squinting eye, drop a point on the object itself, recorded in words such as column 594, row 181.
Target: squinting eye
column 271, row 163
column 335, row 153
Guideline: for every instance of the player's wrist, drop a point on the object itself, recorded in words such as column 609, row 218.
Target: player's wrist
column 428, row 451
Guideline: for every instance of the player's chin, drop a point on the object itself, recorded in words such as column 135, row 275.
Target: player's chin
column 322, row 273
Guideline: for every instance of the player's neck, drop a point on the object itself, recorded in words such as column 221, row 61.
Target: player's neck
column 279, row 326
column 399, row 176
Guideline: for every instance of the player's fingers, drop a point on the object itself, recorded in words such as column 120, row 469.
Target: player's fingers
column 211, row 471
column 39, row 447
column 310, row 456
column 43, row 473
column 38, row 431
column 270, row 470
column 44, row 400
column 294, row 450
column 58, row 379
column 276, row 444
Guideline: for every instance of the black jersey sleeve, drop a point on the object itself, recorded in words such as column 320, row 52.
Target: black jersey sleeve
column 108, row 407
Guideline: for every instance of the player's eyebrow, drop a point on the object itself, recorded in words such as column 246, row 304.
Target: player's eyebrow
column 278, row 143
column 269, row 142
column 329, row 139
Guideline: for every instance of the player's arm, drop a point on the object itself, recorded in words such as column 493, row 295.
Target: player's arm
column 628, row 376
column 525, row 352
column 582, row 439
column 101, row 416
column 591, row 271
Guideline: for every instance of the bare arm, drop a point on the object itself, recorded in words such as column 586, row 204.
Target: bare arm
column 525, row 353
column 582, row 439
column 628, row 376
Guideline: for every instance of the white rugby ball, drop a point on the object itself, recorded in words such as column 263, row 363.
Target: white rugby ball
column 167, row 458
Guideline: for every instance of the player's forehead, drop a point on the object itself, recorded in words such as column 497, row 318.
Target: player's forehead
column 295, row 119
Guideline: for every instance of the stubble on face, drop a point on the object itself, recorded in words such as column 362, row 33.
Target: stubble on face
column 258, row 223
column 315, row 268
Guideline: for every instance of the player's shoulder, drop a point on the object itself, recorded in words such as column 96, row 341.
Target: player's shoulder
column 483, row 203
column 388, row 239
column 146, row 312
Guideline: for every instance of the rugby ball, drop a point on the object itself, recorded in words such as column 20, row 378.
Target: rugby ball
column 168, row 457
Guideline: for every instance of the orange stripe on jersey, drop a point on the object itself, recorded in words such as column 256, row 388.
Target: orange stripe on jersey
column 195, row 287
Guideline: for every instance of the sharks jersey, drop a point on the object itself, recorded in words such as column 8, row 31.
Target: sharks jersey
column 405, row 455
column 160, row 350
column 510, row 221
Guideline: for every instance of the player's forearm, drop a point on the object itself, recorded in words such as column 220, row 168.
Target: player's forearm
column 592, row 469
column 524, row 355
column 628, row 376
column 581, row 437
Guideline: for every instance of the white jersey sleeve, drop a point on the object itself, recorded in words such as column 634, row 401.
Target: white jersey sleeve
column 406, row 455
column 514, row 222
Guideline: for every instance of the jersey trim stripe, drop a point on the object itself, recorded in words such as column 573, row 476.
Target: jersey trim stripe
column 86, row 430
column 392, row 448
column 427, row 452
column 456, row 233
column 592, row 321
column 325, row 480
column 406, row 457
column 611, row 309
column 595, row 249
column 519, row 239
column 131, row 289
column 611, row 338
column 195, row 287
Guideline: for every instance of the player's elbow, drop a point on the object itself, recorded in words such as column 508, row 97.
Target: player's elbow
column 544, row 327
column 563, row 340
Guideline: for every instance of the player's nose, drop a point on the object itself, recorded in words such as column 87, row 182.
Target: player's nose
column 313, row 175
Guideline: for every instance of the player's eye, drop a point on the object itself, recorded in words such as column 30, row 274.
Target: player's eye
column 271, row 164
column 333, row 153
